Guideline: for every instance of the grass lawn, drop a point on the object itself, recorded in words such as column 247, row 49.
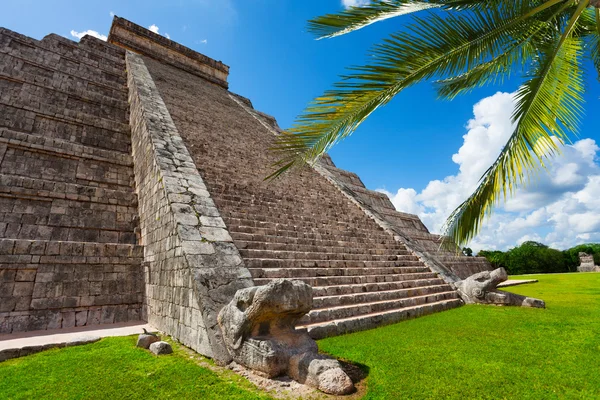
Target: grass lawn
column 489, row 352
column 473, row 352
column 115, row 369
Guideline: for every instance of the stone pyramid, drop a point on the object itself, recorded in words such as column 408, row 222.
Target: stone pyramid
column 132, row 188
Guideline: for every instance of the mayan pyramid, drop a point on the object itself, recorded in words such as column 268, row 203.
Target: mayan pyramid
column 132, row 188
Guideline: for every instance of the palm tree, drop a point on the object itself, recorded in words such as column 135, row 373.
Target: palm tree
column 461, row 45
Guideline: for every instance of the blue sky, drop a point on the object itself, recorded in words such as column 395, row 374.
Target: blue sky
column 425, row 153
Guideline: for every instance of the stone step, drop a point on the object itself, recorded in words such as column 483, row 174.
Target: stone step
column 86, row 50
column 241, row 201
column 379, row 243
column 277, row 215
column 306, row 234
column 342, row 280
column 331, row 225
column 324, row 222
column 19, row 186
column 257, row 191
column 31, row 97
column 321, row 302
column 289, row 212
column 64, row 148
column 51, row 127
column 274, row 263
column 36, row 164
column 348, row 248
column 102, row 47
column 376, row 319
column 20, row 251
column 51, row 78
column 11, row 95
column 55, row 51
column 310, row 218
column 322, row 255
column 354, row 310
column 66, row 220
column 85, row 53
column 445, row 257
column 67, row 293
column 295, row 271
column 338, row 290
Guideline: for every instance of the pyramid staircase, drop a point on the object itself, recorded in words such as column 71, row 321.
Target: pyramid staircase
column 300, row 227
column 68, row 247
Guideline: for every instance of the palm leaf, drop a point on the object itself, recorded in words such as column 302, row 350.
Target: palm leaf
column 355, row 18
column 494, row 71
column 432, row 47
column 591, row 31
column 548, row 105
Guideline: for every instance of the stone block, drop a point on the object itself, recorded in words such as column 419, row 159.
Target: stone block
column 161, row 348
column 81, row 318
column 23, row 289
column 25, row 275
column 146, row 340
column 68, row 319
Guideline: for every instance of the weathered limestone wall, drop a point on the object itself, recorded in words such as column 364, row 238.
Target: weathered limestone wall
column 192, row 267
column 68, row 216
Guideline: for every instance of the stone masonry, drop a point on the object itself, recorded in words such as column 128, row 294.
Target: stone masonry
column 586, row 263
column 89, row 130
column 192, row 267
column 68, row 247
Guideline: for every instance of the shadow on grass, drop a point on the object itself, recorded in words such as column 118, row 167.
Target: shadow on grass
column 358, row 373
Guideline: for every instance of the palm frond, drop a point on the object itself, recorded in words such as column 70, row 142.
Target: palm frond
column 494, row 71
column 354, row 18
column 548, row 105
column 591, row 30
column 432, row 47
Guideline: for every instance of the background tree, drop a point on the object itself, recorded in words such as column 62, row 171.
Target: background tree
column 535, row 258
column 496, row 257
column 462, row 45
column 467, row 251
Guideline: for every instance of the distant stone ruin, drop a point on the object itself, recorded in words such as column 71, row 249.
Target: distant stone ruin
column 131, row 188
column 586, row 263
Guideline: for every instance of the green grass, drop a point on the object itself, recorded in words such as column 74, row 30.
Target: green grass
column 115, row 369
column 487, row 352
column 473, row 352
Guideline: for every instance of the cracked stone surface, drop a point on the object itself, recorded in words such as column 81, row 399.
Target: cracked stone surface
column 258, row 327
column 481, row 288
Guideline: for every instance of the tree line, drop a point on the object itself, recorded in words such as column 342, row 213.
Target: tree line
column 537, row 258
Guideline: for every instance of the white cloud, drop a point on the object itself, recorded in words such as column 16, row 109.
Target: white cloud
column 154, row 28
column 90, row 32
column 560, row 207
column 355, row 3
column 112, row 14
column 203, row 41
